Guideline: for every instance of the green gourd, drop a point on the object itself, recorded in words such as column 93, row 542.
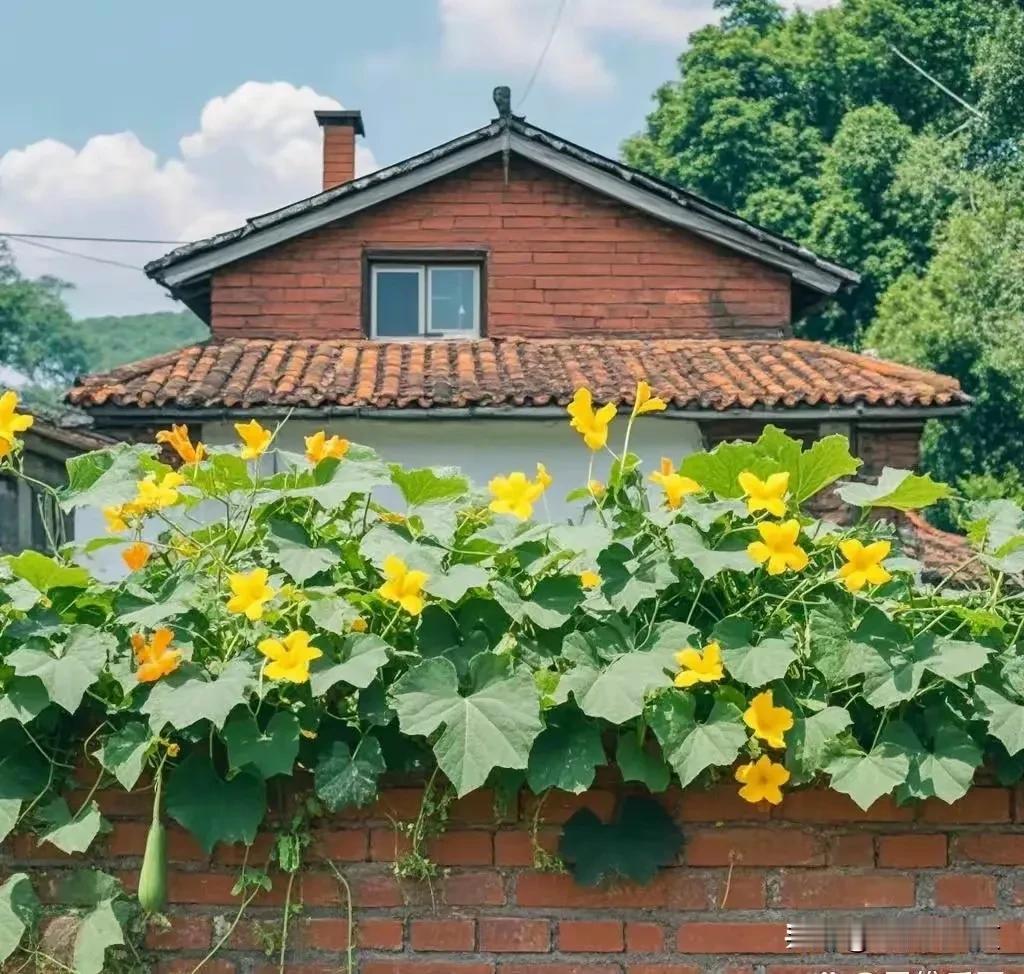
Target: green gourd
column 153, row 875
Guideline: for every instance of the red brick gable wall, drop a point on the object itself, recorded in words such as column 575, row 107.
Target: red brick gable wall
column 563, row 261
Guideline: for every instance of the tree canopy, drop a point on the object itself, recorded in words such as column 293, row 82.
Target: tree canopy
column 816, row 125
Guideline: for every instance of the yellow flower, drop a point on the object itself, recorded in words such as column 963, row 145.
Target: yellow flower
column 699, row 666
column 767, row 721
column 762, row 780
column 155, row 658
column 289, row 657
column 765, row 495
column 391, row 517
column 321, row 447
column 644, row 402
column 359, row 624
column 249, row 592
column 177, row 439
column 11, row 422
column 403, row 585
column 255, row 438
column 597, row 489
column 136, row 555
column 173, row 750
column 591, row 425
column 778, row 547
column 674, row 484
column 589, row 579
column 153, row 494
column 514, row 494
column 863, row 563
column 543, row 477
column 115, row 518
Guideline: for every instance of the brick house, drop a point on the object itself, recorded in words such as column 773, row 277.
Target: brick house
column 473, row 287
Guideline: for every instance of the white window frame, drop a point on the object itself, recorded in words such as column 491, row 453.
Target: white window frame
column 423, row 325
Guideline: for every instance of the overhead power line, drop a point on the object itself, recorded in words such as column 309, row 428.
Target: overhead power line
column 543, row 53
column 72, row 253
column 935, row 81
column 65, row 236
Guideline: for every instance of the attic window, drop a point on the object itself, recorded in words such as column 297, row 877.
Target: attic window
column 424, row 298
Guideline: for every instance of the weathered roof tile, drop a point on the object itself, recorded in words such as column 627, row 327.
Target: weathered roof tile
column 692, row 374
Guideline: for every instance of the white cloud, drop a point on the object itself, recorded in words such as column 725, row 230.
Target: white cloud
column 256, row 148
column 510, row 34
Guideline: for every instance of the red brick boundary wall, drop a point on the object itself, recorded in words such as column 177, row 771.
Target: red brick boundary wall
column 744, row 871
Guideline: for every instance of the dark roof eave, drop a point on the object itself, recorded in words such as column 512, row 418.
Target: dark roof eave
column 141, row 414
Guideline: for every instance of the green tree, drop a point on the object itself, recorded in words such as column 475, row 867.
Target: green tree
column 37, row 335
column 964, row 316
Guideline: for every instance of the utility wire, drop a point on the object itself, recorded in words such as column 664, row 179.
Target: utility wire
column 72, row 253
column 543, row 53
column 935, row 81
column 64, row 236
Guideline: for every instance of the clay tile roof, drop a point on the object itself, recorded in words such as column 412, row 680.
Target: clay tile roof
column 692, row 374
column 945, row 555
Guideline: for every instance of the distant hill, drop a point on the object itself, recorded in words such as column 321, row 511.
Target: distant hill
column 113, row 340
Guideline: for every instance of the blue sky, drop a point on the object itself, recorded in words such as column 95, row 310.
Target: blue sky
column 176, row 120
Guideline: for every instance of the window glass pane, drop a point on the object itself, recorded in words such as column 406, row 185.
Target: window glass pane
column 397, row 294
column 453, row 299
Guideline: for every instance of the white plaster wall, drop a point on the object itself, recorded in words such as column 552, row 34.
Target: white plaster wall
column 481, row 447
column 485, row 447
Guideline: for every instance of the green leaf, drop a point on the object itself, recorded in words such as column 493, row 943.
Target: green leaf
column 753, row 665
column 718, row 471
column 690, row 746
column 71, row 668
column 10, row 811
column 87, row 887
column 566, row 753
column 824, row 463
column 294, row 553
column 362, row 656
column 345, row 779
column 456, row 582
column 1005, row 718
column 688, row 544
column 829, row 645
column 642, row 839
column 807, row 744
column 212, row 809
column 901, row 490
column 705, row 513
column 104, row 477
column 177, row 599
column 494, row 726
column 867, row 777
column 19, row 910
column 334, row 615
column 69, row 834
column 186, row 696
column 616, row 692
column 549, row 605
column 337, row 481
column 44, row 573
column 98, row 930
column 24, row 772
column 636, row 763
column 123, row 753
column 429, row 485
column 809, row 471
column 23, row 699
column 628, row 581
column 947, row 770
column 271, row 751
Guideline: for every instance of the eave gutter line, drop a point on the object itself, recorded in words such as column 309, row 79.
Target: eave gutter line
column 131, row 416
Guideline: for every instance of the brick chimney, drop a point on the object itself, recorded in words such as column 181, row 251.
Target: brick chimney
column 340, row 131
